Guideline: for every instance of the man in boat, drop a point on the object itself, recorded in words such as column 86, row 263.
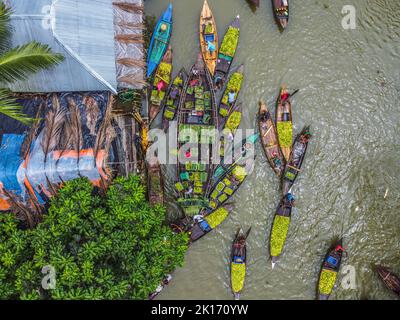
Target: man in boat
column 277, row 162
column 160, row 86
column 174, row 93
column 284, row 95
column 211, row 47
column 231, row 97
column 290, row 200
column 305, row 137
column 218, row 83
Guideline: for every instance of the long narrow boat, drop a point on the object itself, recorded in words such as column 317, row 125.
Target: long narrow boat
column 281, row 12
column 172, row 100
column 229, row 184
column 161, row 83
column 391, row 280
column 280, row 229
column 329, row 271
column 234, row 86
column 228, row 127
column 269, row 140
column 159, row 41
column 197, row 116
column 293, row 166
column 238, row 262
column 155, row 182
column 227, row 53
column 208, row 38
column 200, row 228
column 240, row 154
column 284, row 123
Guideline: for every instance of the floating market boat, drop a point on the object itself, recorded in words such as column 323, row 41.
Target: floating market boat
column 229, row 183
column 197, row 125
column 227, row 53
column 159, row 41
column 208, row 38
column 234, row 85
column 330, row 270
column 269, row 140
column 209, row 222
column 228, row 126
column 161, row 83
column 240, row 155
column 293, row 166
column 281, row 12
column 391, row 280
column 238, row 262
column 173, row 98
column 155, row 182
column 284, row 123
column 280, row 228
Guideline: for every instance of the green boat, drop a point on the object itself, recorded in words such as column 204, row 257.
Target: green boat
column 197, row 118
column 234, row 85
column 227, row 53
column 173, row 98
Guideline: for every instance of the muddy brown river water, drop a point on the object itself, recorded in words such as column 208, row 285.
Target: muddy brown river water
column 349, row 83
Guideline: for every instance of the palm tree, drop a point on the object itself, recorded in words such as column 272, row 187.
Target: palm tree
column 18, row 63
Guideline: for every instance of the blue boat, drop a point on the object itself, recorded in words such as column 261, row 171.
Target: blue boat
column 159, row 41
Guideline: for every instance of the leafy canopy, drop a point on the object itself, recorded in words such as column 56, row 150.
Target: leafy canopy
column 110, row 247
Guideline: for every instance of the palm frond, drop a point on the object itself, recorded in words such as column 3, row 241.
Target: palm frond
column 75, row 126
column 54, row 123
column 12, row 109
column 22, row 61
column 5, row 30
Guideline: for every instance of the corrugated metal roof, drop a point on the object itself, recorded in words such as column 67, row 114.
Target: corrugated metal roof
column 83, row 31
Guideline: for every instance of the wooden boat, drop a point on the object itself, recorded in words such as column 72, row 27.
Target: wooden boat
column 155, row 182
column 162, row 78
column 196, row 115
column 238, row 262
column 208, row 34
column 391, row 280
column 174, row 94
column 199, row 228
column 227, row 53
column 159, row 41
column 234, row 84
column 284, row 124
column 240, row 155
column 229, row 183
column 293, row 166
column 281, row 12
column 269, row 140
column 228, row 127
column 280, row 229
column 329, row 271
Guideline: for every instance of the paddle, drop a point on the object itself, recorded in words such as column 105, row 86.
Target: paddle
column 292, row 94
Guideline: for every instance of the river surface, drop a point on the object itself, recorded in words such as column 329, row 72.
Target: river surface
column 349, row 83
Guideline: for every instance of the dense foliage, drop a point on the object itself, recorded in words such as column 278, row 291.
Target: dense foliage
column 101, row 247
column 238, row 275
column 327, row 281
column 285, row 134
column 230, row 42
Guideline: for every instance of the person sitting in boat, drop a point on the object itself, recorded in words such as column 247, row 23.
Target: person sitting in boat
column 284, row 95
column 160, row 86
column 174, row 93
column 339, row 248
column 231, row 97
column 211, row 47
column 218, row 83
column 290, row 199
column 275, row 159
column 305, row 137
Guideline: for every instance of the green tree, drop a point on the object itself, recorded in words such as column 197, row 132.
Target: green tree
column 18, row 63
column 102, row 247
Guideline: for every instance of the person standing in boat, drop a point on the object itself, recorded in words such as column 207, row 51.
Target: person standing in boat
column 231, row 97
